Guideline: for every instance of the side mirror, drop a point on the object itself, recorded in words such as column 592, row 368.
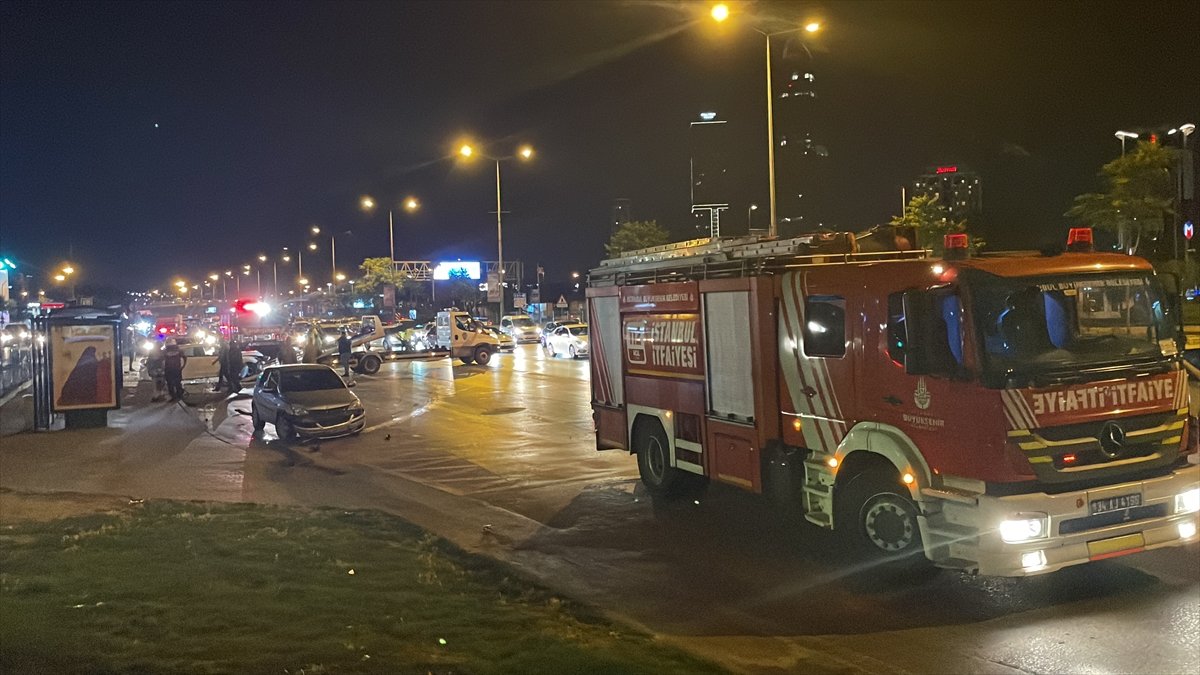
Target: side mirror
column 352, row 384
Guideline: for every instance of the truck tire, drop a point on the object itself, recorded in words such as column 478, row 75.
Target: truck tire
column 654, row 461
column 878, row 519
column 369, row 364
column 482, row 355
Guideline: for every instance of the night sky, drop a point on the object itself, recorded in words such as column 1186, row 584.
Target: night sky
column 166, row 139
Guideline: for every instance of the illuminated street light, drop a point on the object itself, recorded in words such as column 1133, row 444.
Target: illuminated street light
column 411, row 204
column 524, row 152
column 59, row 277
column 315, row 230
column 1123, row 136
column 810, row 27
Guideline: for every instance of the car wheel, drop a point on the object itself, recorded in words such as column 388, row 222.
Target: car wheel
column 571, row 350
column 654, row 462
column 369, row 364
column 284, row 429
column 256, row 419
column 878, row 519
column 483, row 355
column 550, row 348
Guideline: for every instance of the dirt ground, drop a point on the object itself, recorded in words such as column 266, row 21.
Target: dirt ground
column 18, row 507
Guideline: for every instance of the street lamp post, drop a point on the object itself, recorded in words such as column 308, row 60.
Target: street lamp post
column 720, row 13
column 524, row 153
column 1122, row 136
column 750, row 219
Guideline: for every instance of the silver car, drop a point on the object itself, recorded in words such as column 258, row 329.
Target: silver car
column 305, row 400
column 570, row 339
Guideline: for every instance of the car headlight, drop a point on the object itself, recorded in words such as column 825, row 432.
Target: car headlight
column 298, row 409
column 148, row 345
column 1188, row 502
column 1025, row 527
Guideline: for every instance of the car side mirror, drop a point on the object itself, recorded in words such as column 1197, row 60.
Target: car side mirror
column 352, row 384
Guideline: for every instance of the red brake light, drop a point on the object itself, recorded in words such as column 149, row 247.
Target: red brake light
column 1069, row 459
column 955, row 245
column 1079, row 240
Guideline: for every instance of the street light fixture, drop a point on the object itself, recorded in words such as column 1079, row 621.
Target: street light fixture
column 749, row 220
column 1122, row 136
column 720, row 13
column 525, row 153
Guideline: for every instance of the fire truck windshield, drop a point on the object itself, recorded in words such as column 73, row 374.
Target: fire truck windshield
column 1043, row 324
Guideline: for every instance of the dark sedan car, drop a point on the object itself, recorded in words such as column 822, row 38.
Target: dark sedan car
column 306, row 400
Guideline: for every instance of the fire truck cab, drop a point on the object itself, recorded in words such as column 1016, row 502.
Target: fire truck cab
column 1007, row 414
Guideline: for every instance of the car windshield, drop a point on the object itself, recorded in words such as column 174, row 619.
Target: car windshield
column 522, row 322
column 578, row 330
column 1050, row 323
column 309, row 379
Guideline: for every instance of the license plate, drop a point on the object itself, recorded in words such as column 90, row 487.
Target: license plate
column 1110, row 504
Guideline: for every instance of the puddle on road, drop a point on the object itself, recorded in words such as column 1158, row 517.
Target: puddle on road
column 501, row 411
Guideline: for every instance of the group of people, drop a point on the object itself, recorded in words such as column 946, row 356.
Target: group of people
column 165, row 368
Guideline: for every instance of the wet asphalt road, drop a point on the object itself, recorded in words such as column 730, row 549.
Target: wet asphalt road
column 501, row 459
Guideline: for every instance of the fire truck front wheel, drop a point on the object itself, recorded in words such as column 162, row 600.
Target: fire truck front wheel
column 654, row 462
column 483, row 355
column 878, row 519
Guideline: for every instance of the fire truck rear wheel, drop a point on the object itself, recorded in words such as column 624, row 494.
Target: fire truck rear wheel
column 654, row 461
column 879, row 520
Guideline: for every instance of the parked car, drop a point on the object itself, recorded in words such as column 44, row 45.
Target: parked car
column 200, row 362
column 507, row 344
column 519, row 327
column 547, row 329
column 305, row 400
column 570, row 339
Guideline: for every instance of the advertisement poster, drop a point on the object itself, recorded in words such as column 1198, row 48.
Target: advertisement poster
column 84, row 364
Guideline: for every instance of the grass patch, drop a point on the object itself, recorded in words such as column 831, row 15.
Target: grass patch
column 198, row 588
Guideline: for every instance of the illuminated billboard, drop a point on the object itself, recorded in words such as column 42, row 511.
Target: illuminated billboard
column 443, row 270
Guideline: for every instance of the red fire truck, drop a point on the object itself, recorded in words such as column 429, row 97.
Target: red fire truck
column 1006, row 414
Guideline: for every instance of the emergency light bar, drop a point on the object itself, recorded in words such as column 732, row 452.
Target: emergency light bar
column 956, row 246
column 1079, row 240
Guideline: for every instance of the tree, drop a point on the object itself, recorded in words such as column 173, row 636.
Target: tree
column 463, row 290
column 378, row 272
column 932, row 222
column 634, row 235
column 1138, row 199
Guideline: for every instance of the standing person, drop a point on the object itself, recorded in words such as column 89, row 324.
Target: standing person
column 173, row 363
column 312, row 345
column 222, row 361
column 344, row 346
column 155, row 368
column 233, row 366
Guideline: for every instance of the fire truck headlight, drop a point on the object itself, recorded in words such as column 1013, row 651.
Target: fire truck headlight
column 1024, row 527
column 1188, row 502
column 148, row 345
column 1187, row 530
column 1033, row 560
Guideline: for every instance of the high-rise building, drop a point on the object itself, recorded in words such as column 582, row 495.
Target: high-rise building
column 803, row 181
column 622, row 212
column 711, row 148
column 956, row 187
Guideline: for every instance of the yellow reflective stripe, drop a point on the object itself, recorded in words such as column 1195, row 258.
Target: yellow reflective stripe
column 1032, row 446
column 1040, row 460
column 1018, row 432
column 1172, row 440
